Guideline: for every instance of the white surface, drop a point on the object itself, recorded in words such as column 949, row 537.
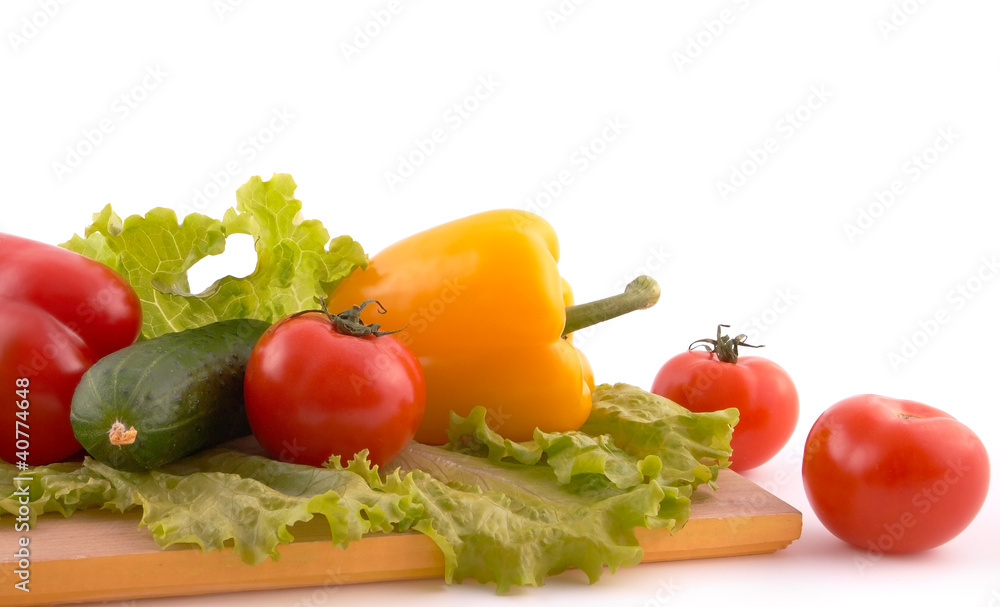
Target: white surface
column 202, row 86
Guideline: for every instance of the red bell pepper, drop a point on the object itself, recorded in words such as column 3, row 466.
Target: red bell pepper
column 59, row 313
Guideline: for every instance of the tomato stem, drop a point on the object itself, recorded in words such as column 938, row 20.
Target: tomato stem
column 349, row 321
column 640, row 294
column 724, row 347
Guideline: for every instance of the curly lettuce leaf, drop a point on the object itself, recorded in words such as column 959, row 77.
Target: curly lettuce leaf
column 515, row 512
column 692, row 447
column 61, row 487
column 513, row 524
column 222, row 495
column 296, row 259
column 567, row 453
column 631, row 437
column 501, row 512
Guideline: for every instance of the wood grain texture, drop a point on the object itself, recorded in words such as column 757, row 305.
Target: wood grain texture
column 99, row 555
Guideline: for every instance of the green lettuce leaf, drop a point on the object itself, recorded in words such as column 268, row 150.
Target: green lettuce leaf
column 222, row 495
column 297, row 261
column 501, row 512
column 692, row 447
column 225, row 495
column 631, row 436
column 62, row 487
column 513, row 524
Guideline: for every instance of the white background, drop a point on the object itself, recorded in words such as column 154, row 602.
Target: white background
column 819, row 106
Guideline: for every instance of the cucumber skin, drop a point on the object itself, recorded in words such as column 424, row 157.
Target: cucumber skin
column 182, row 392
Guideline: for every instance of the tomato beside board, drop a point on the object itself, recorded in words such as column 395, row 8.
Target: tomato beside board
column 720, row 378
column 893, row 476
column 312, row 389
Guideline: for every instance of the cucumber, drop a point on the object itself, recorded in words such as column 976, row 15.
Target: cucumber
column 158, row 400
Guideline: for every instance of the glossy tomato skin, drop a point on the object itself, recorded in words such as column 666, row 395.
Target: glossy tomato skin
column 893, row 476
column 87, row 296
column 41, row 355
column 312, row 392
column 762, row 391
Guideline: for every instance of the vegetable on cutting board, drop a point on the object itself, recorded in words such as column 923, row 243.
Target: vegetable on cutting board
column 719, row 378
column 297, row 261
column 59, row 312
column 159, row 400
column 486, row 312
column 500, row 512
column 579, row 494
column 320, row 384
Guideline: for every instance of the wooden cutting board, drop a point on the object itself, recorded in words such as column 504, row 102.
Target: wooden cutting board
column 101, row 555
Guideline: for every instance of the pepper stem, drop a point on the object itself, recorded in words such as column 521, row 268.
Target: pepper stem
column 640, row 294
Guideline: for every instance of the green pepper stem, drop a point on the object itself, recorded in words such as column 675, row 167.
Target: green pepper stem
column 640, row 294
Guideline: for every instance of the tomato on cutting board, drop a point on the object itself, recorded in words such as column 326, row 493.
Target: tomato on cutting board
column 319, row 384
column 720, row 378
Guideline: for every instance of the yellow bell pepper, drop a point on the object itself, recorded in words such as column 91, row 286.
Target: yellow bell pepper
column 487, row 313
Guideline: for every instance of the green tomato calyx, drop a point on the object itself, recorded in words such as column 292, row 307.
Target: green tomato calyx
column 725, row 348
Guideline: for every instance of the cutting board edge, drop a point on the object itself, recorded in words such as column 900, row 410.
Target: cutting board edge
column 421, row 546
column 739, row 519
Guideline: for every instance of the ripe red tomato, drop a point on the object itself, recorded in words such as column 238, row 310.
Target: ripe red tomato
column 762, row 391
column 41, row 362
column 90, row 298
column 893, row 476
column 312, row 391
